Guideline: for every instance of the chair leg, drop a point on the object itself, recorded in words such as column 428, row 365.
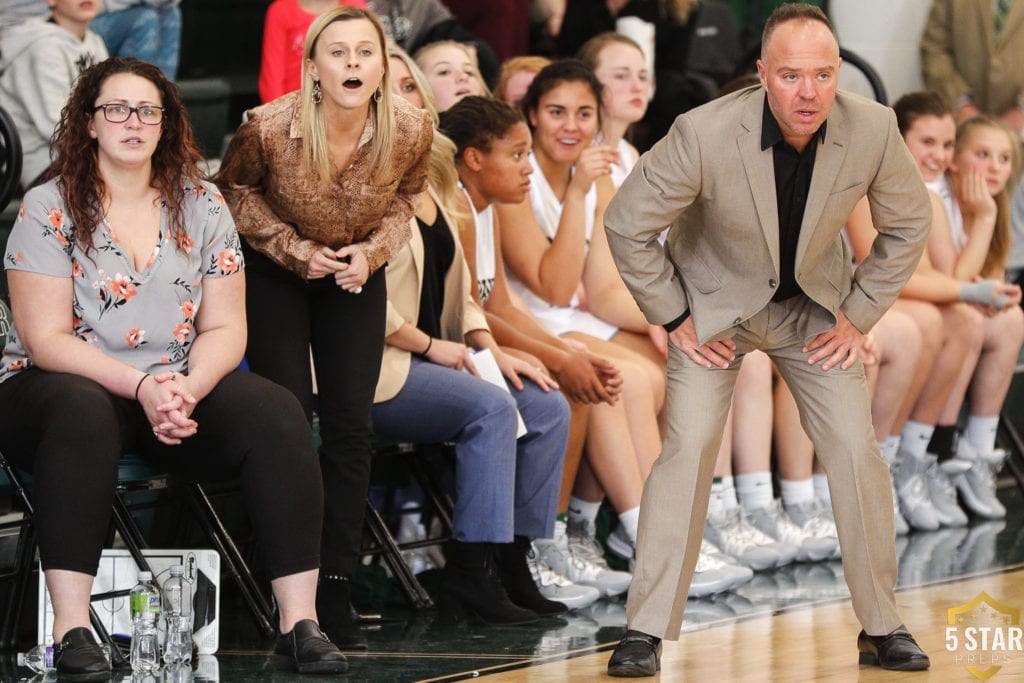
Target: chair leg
column 440, row 501
column 24, row 559
column 1015, row 459
column 235, row 563
column 117, row 659
column 411, row 586
column 130, row 533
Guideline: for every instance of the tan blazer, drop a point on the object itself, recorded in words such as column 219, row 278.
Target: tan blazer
column 961, row 55
column 459, row 315
column 712, row 183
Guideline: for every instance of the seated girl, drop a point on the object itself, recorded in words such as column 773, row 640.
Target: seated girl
column 431, row 390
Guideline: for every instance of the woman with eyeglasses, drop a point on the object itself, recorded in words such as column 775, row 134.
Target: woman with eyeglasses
column 129, row 324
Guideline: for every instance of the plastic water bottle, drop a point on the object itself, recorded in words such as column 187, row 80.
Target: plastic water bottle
column 145, row 608
column 177, row 606
column 39, row 659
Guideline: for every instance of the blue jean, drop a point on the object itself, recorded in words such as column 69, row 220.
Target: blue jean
column 153, row 35
column 503, row 486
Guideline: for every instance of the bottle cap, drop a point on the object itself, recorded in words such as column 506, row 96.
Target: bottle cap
column 145, row 576
column 177, row 570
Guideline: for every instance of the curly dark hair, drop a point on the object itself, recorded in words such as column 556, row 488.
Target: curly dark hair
column 476, row 121
column 75, row 164
column 555, row 74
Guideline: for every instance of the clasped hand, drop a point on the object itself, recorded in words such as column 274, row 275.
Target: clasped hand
column 168, row 403
column 348, row 265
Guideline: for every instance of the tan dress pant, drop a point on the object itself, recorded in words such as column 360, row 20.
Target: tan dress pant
column 835, row 411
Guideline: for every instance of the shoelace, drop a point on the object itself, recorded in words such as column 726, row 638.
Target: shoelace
column 542, row 573
column 790, row 531
column 914, row 486
column 738, row 532
column 940, row 483
column 584, row 551
column 706, row 563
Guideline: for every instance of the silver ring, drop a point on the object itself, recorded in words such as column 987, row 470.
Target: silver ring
column 358, row 289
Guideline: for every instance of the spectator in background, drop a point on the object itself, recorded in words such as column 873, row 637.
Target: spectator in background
column 515, row 77
column 452, row 72
column 149, row 30
column 970, row 242
column 618, row 62
column 504, row 25
column 17, row 11
column 412, row 24
column 676, row 41
column 971, row 53
column 284, row 32
column 40, row 61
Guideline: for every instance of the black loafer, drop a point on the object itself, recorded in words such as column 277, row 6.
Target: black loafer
column 897, row 651
column 311, row 650
column 79, row 658
column 636, row 655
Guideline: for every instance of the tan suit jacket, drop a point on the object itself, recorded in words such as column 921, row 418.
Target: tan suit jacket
column 459, row 315
column 961, row 55
column 713, row 185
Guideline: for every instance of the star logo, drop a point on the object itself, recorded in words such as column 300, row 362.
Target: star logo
column 983, row 634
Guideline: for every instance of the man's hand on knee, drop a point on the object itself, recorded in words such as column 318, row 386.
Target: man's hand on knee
column 719, row 353
column 838, row 346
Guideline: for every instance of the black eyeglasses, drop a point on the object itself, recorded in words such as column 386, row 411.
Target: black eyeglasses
column 148, row 114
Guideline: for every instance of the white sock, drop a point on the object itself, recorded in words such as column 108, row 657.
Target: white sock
column 821, row 491
column 630, row 520
column 723, row 496
column 889, row 448
column 755, row 490
column 981, row 432
column 915, row 437
column 797, row 492
column 580, row 510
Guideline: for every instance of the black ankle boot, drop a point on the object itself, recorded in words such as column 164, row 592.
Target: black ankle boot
column 337, row 616
column 471, row 584
column 518, row 581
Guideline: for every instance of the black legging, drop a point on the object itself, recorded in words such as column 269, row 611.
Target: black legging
column 287, row 316
column 70, row 432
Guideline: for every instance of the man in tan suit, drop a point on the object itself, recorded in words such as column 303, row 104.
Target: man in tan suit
column 755, row 188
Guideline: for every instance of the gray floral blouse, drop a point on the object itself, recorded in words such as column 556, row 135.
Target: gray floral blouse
column 145, row 319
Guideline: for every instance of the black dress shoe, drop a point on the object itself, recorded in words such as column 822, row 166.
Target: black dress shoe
column 79, row 658
column 897, row 651
column 311, row 650
column 637, row 654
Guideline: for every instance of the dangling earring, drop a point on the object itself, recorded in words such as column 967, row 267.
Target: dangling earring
column 317, row 95
column 377, row 94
